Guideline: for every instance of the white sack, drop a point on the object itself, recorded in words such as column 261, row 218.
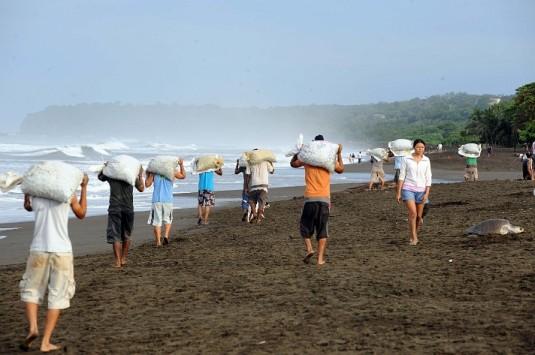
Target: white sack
column 258, row 156
column 378, row 153
column 242, row 161
column 124, row 168
column 54, row 180
column 9, row 180
column 470, row 150
column 400, row 147
column 208, row 163
column 295, row 150
column 164, row 165
column 319, row 153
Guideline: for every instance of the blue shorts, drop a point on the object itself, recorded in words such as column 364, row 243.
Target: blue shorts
column 417, row 197
column 244, row 200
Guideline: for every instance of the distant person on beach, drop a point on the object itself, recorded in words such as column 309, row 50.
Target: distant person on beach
column 121, row 215
column 315, row 215
column 206, row 194
column 162, row 203
column 50, row 264
column 489, row 150
column 414, row 186
column 258, row 188
column 525, row 159
column 529, row 162
column 377, row 173
column 439, row 147
column 359, row 157
column 470, row 172
column 244, row 193
column 397, row 167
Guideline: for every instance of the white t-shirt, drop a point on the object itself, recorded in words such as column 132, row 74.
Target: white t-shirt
column 259, row 175
column 51, row 232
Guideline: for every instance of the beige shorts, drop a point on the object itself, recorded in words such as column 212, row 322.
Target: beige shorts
column 470, row 174
column 52, row 271
column 377, row 175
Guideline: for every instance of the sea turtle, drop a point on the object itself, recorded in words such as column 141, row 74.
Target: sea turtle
column 493, row 226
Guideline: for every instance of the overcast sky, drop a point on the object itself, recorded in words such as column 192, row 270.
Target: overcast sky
column 258, row 53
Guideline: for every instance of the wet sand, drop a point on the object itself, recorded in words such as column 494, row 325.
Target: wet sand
column 229, row 287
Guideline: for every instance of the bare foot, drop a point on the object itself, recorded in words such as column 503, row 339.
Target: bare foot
column 50, row 347
column 123, row 262
column 27, row 343
column 117, row 265
column 413, row 242
column 321, row 263
column 307, row 257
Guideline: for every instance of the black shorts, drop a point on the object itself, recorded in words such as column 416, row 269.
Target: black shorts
column 120, row 226
column 315, row 217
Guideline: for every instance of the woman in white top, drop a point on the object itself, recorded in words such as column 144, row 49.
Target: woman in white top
column 414, row 186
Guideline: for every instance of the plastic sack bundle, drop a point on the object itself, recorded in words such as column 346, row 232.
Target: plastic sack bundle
column 124, row 168
column 319, row 153
column 470, row 150
column 9, row 180
column 54, row 180
column 400, row 147
column 164, row 165
column 242, row 161
column 207, row 163
column 258, row 156
column 378, row 153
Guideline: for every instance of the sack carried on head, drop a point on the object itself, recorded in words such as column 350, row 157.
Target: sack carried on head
column 207, row 163
column 400, row 147
column 378, row 153
column 319, row 153
column 9, row 180
column 124, row 168
column 164, row 165
column 258, row 156
column 470, row 150
column 54, row 180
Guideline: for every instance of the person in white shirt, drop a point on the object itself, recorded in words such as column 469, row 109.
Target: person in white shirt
column 414, row 186
column 50, row 264
column 258, row 188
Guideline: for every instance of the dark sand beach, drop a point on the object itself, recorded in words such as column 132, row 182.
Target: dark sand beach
column 233, row 288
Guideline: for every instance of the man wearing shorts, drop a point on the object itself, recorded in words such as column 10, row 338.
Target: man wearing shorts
column 121, row 215
column 315, row 215
column 50, row 264
column 162, row 203
column 470, row 172
column 377, row 174
column 258, row 188
column 244, row 194
column 206, row 197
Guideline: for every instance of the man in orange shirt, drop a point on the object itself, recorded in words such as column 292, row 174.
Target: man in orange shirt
column 315, row 214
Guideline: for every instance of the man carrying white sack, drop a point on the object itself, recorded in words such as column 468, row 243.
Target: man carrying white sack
column 162, row 203
column 244, row 195
column 206, row 196
column 258, row 188
column 50, row 264
column 315, row 215
column 121, row 215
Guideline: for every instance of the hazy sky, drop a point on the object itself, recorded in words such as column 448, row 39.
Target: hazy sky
column 258, row 53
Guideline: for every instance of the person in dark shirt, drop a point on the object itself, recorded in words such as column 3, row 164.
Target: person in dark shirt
column 121, row 215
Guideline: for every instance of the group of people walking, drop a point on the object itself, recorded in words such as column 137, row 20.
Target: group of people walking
column 50, row 264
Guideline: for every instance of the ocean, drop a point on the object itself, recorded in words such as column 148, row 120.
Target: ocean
column 19, row 157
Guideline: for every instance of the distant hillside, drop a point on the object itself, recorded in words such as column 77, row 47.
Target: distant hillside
column 437, row 115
